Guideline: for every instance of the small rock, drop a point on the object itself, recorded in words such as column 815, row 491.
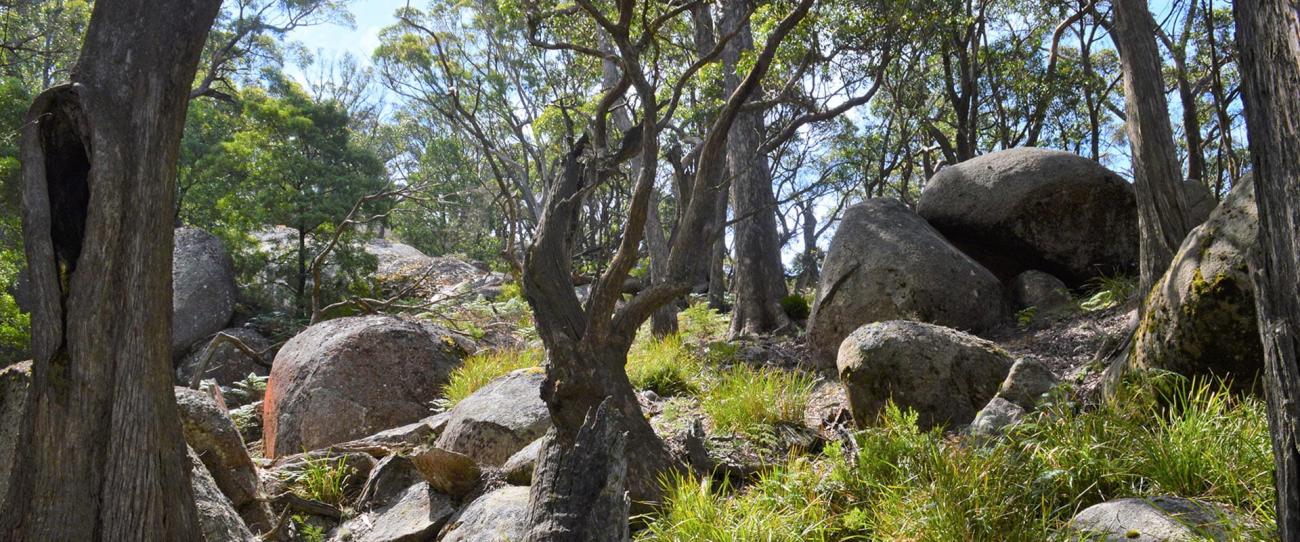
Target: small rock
column 519, row 468
column 416, row 515
column 1039, row 290
column 945, row 375
column 388, row 481
column 447, row 472
column 995, row 417
column 1026, row 383
column 494, row 517
column 1155, row 519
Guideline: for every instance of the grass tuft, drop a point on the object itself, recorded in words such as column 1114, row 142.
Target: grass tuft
column 746, row 400
column 665, row 366
column 479, row 369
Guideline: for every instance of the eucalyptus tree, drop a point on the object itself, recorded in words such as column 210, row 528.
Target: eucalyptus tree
column 104, row 457
column 1268, row 32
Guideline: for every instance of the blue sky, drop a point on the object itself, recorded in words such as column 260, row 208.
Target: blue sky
column 335, row 40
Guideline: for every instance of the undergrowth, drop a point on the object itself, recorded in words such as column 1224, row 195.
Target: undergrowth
column 324, row 480
column 1159, row 437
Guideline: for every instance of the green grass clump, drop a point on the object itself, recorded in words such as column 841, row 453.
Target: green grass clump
column 699, row 322
column 1108, row 292
column 1194, row 440
column 479, row 369
column 664, row 366
column 324, row 480
column 796, row 307
column 746, row 400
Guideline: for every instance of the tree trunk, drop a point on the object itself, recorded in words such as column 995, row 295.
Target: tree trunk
column 1157, row 175
column 760, row 276
column 1267, row 32
column 717, row 269
column 591, row 479
column 664, row 321
column 810, row 274
column 105, row 458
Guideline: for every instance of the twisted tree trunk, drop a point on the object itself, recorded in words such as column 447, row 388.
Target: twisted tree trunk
column 1269, row 37
column 105, row 458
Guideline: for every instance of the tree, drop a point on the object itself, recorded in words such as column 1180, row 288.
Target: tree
column 1157, row 175
column 105, row 458
column 1268, row 34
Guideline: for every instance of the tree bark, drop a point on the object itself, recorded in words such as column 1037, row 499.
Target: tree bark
column 1157, row 175
column 591, row 480
column 105, row 458
column 1267, row 32
column 760, row 276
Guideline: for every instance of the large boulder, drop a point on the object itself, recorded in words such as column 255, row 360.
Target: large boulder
column 1039, row 290
column 1159, row 519
column 499, row 419
column 414, row 515
column 945, row 375
column 1031, row 208
column 1200, row 317
column 499, row 515
column 14, row 383
column 227, row 364
column 203, row 288
column 211, row 433
column 886, row 263
column 348, row 378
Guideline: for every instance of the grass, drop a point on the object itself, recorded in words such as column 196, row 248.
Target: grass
column 1109, row 291
column 324, row 480
column 665, row 366
column 479, row 369
column 745, row 399
column 1193, row 440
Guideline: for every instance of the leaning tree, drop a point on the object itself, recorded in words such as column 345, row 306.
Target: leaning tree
column 1268, row 32
column 104, row 457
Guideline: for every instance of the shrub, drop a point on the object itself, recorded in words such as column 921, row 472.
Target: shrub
column 1107, row 292
column 699, row 322
column 479, row 369
column 796, row 307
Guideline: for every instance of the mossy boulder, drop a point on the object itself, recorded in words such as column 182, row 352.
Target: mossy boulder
column 1200, row 318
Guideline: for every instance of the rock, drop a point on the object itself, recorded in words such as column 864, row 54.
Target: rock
column 1200, row 201
column 352, row 377
column 1200, row 318
column 447, row 472
column 216, row 441
column 228, row 364
column 440, row 277
column 519, row 468
column 496, row 516
column 1027, row 381
column 945, row 375
column 886, row 263
column 203, row 288
column 1155, row 519
column 499, row 419
column 995, row 417
column 415, row 516
column 1037, row 289
column 14, row 383
column 1032, row 208
column 217, row 517
column 388, row 481
column 828, row 410
column 398, row 439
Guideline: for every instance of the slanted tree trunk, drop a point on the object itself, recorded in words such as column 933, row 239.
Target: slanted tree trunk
column 104, row 457
column 760, row 276
column 1267, row 32
column 1162, row 216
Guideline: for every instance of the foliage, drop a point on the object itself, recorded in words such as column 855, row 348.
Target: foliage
column 324, row 480
column 700, row 322
column 905, row 484
column 747, row 400
column 309, row 531
column 796, row 307
column 479, row 369
column 665, row 366
column 1109, row 291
